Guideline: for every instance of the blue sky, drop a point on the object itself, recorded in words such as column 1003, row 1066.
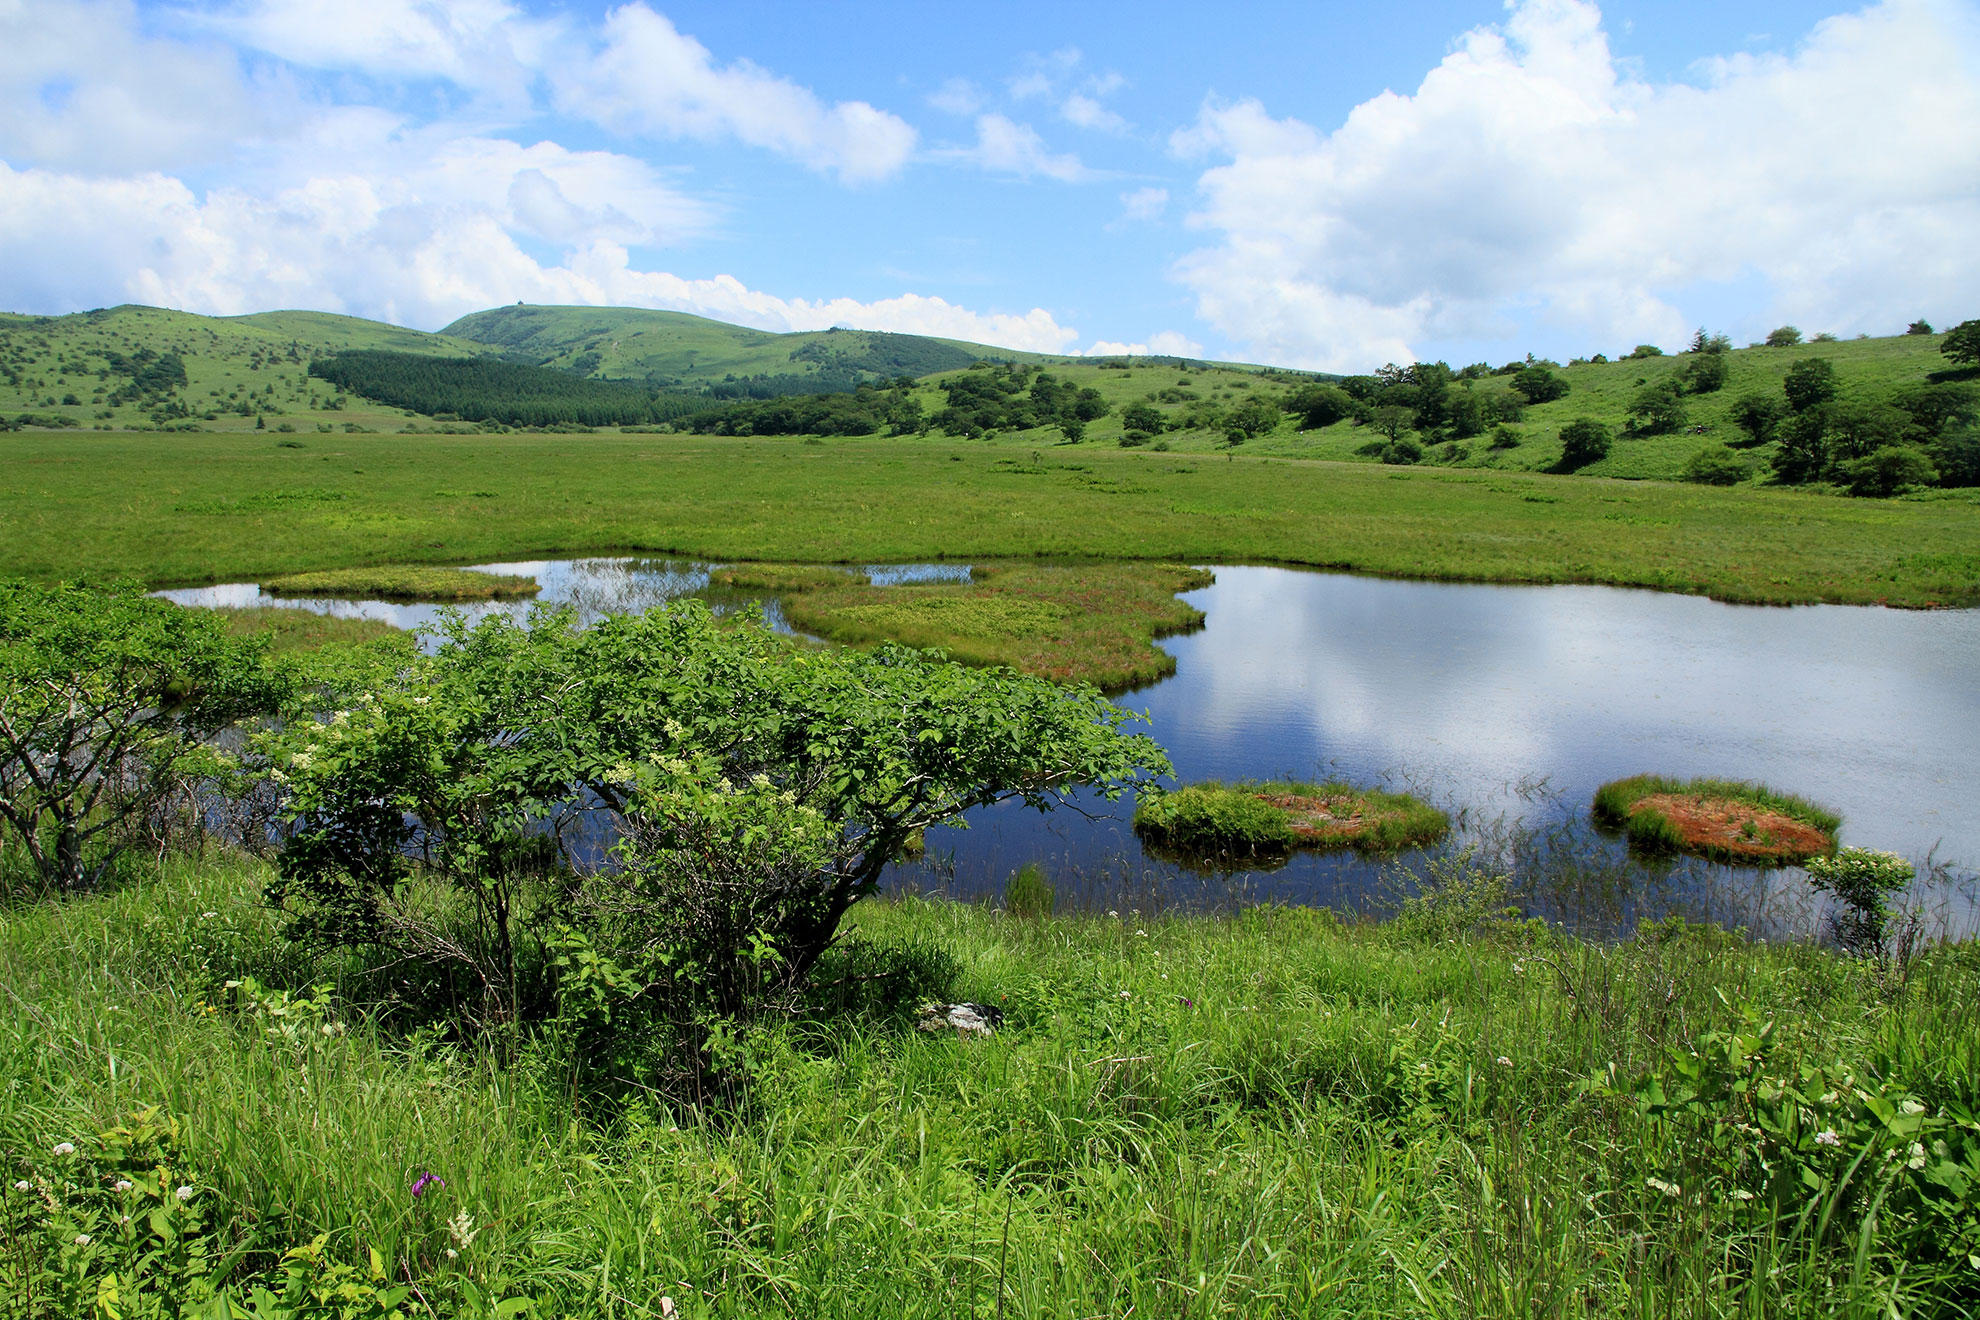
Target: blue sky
column 1320, row 185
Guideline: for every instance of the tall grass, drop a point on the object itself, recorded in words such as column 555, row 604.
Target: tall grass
column 1266, row 1114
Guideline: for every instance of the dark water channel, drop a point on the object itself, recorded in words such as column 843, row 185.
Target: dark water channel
column 1507, row 706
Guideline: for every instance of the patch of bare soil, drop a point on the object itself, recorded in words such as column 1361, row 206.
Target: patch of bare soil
column 1339, row 818
column 1730, row 828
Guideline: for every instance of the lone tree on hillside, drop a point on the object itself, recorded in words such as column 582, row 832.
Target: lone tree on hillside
column 1583, row 441
column 1962, row 343
column 1809, row 383
column 1539, row 385
column 1919, row 327
column 1785, row 336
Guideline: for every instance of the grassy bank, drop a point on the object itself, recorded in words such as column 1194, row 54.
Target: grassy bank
column 202, row 508
column 1268, row 1115
column 1094, row 623
column 403, row 582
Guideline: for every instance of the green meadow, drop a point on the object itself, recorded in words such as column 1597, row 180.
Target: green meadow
column 1269, row 1114
column 193, row 508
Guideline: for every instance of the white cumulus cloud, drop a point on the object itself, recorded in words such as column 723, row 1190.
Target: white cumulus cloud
column 415, row 247
column 1163, row 343
column 1533, row 180
column 649, row 77
column 1004, row 146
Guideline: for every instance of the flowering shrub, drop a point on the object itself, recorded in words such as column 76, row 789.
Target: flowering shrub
column 1862, row 881
column 110, row 1224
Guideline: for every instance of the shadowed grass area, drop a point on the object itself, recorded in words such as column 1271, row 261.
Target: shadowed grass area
column 1727, row 820
column 185, row 509
column 1090, row 623
column 302, row 630
column 1248, row 819
column 1268, row 1115
column 403, row 582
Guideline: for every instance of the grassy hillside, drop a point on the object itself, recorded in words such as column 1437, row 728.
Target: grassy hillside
column 237, row 371
column 1870, row 370
column 675, row 348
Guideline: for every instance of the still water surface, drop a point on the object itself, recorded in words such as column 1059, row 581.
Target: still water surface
column 1506, row 705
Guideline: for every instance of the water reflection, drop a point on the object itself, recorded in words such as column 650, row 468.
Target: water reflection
column 1508, row 706
column 1505, row 705
column 595, row 588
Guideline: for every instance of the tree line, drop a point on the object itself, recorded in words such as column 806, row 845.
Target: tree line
column 492, row 390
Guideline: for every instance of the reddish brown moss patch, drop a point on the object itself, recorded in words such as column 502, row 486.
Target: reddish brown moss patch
column 1735, row 830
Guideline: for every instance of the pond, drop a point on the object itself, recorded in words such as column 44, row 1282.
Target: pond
column 1505, row 705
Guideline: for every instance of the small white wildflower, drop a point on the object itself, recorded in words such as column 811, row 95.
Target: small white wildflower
column 65, row 1148
column 1829, row 1098
column 461, row 1228
column 1828, row 1137
column 1741, row 1194
column 83, row 1239
column 1667, row 1188
column 302, row 760
column 1911, row 1107
column 123, row 1219
column 1126, row 995
column 184, row 1193
column 452, row 1254
column 1504, row 1062
column 208, row 916
column 1165, row 976
column 1917, row 1160
column 1112, row 912
column 23, row 1186
column 121, row 1185
column 1142, row 934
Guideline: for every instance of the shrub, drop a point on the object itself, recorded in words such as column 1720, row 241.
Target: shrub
column 1402, row 452
column 1504, row 437
column 1716, row 465
column 1656, row 410
column 1539, row 385
column 108, row 702
column 1644, row 351
column 1321, row 405
column 1757, row 415
column 1888, row 471
column 1785, row 336
column 757, row 791
column 1583, row 441
column 1919, row 327
column 1962, row 343
column 1862, row 881
column 1810, row 382
column 1704, row 374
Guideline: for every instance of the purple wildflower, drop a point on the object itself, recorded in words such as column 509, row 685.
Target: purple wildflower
column 424, row 1183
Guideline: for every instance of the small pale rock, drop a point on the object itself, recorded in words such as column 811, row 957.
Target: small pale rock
column 963, row 1019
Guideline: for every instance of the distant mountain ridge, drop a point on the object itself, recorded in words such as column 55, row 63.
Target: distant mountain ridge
column 679, row 350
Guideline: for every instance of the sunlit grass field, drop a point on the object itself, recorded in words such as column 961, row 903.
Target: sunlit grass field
column 185, row 509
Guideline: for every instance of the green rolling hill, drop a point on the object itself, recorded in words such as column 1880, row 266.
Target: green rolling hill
column 676, row 350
